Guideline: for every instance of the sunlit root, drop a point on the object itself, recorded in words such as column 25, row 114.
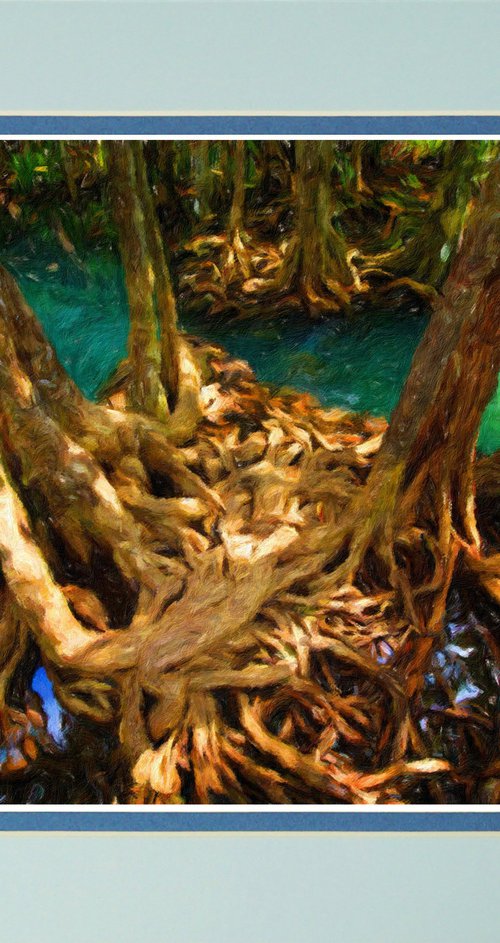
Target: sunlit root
column 427, row 292
column 311, row 276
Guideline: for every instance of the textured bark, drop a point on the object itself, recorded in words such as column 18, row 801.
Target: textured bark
column 417, row 513
column 165, row 300
column 315, row 266
column 146, row 391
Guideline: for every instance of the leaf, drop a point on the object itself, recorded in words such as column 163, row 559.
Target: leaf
column 14, row 210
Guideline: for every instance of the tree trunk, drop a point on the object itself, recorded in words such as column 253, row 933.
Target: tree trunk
column 145, row 392
column 175, row 218
column 204, row 179
column 237, row 212
column 357, row 153
column 165, row 300
column 417, row 511
column 315, row 266
column 236, row 258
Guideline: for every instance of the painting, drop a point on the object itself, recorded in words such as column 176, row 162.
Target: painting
column 249, row 471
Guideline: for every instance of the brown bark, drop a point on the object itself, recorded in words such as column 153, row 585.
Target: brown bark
column 416, row 516
column 315, row 266
column 165, row 300
column 146, row 391
column 236, row 215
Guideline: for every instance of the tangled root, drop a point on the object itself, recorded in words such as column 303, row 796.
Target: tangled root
column 184, row 584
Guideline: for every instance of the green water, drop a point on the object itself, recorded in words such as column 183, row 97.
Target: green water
column 360, row 363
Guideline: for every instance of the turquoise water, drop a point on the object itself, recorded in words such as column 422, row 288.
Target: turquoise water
column 360, row 363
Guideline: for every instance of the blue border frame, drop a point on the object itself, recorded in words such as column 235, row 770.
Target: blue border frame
column 280, row 125
column 272, row 821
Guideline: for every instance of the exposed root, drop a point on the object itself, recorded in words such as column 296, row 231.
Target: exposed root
column 272, row 631
column 242, row 274
column 310, row 277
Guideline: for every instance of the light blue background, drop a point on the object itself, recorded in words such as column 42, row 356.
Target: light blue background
column 253, row 56
column 248, row 889
column 258, row 56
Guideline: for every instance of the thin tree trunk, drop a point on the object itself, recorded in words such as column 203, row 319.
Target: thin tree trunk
column 357, row 152
column 237, row 212
column 67, row 165
column 145, row 391
column 204, row 179
column 165, row 300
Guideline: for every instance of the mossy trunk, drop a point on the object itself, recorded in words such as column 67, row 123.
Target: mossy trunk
column 145, row 390
column 165, row 300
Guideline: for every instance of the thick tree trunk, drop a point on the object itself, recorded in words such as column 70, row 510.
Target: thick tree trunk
column 416, row 514
column 322, row 251
column 145, row 392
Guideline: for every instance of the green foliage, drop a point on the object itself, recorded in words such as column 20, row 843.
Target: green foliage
column 90, row 225
column 32, row 167
column 56, row 186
